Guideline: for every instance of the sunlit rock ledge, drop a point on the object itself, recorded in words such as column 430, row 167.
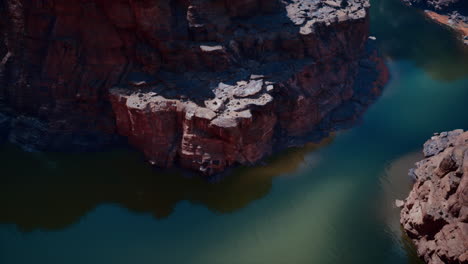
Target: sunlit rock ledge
column 200, row 84
column 286, row 76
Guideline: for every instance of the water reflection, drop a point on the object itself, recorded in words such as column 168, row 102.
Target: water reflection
column 410, row 249
column 52, row 192
column 434, row 48
column 396, row 184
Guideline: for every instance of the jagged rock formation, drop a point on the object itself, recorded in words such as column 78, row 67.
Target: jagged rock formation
column 205, row 84
column 453, row 13
column 435, row 214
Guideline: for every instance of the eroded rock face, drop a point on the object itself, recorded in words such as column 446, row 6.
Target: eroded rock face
column 286, row 75
column 205, row 84
column 452, row 13
column 435, row 214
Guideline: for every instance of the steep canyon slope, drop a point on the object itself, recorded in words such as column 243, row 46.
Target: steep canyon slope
column 204, row 84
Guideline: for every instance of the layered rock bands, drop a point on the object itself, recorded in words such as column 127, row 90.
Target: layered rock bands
column 435, row 214
column 204, row 84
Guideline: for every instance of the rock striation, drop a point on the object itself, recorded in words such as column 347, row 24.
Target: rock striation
column 435, row 214
column 452, row 13
column 204, row 84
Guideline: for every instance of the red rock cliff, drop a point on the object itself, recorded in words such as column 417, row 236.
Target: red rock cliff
column 205, row 84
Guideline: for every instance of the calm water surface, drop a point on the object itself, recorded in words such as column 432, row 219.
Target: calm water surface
column 325, row 203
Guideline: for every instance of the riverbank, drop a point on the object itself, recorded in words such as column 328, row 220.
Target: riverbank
column 453, row 14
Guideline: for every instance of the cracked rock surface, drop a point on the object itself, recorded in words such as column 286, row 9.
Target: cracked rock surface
column 435, row 214
column 294, row 73
column 203, row 84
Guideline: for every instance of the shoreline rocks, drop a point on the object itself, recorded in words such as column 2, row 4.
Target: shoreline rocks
column 435, row 214
column 451, row 13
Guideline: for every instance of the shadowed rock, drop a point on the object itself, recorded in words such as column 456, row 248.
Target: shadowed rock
column 204, row 84
column 284, row 75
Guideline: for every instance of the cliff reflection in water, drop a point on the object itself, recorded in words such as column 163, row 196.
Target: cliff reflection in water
column 40, row 191
column 396, row 184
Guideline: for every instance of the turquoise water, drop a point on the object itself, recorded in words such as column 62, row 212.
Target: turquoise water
column 326, row 203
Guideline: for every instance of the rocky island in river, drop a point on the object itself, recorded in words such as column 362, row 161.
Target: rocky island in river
column 200, row 84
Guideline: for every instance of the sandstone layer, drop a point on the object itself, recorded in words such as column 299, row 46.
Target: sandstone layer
column 435, row 214
column 452, row 13
column 204, row 84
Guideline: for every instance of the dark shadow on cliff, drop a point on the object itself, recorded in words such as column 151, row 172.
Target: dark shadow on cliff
column 53, row 191
column 196, row 79
column 404, row 33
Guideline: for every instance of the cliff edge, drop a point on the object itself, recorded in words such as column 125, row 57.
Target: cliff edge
column 202, row 84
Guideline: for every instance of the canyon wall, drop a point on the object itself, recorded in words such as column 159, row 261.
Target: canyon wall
column 204, row 84
column 435, row 214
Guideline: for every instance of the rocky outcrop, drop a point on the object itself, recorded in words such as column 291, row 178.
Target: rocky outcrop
column 452, row 13
column 435, row 214
column 205, row 84
column 276, row 87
